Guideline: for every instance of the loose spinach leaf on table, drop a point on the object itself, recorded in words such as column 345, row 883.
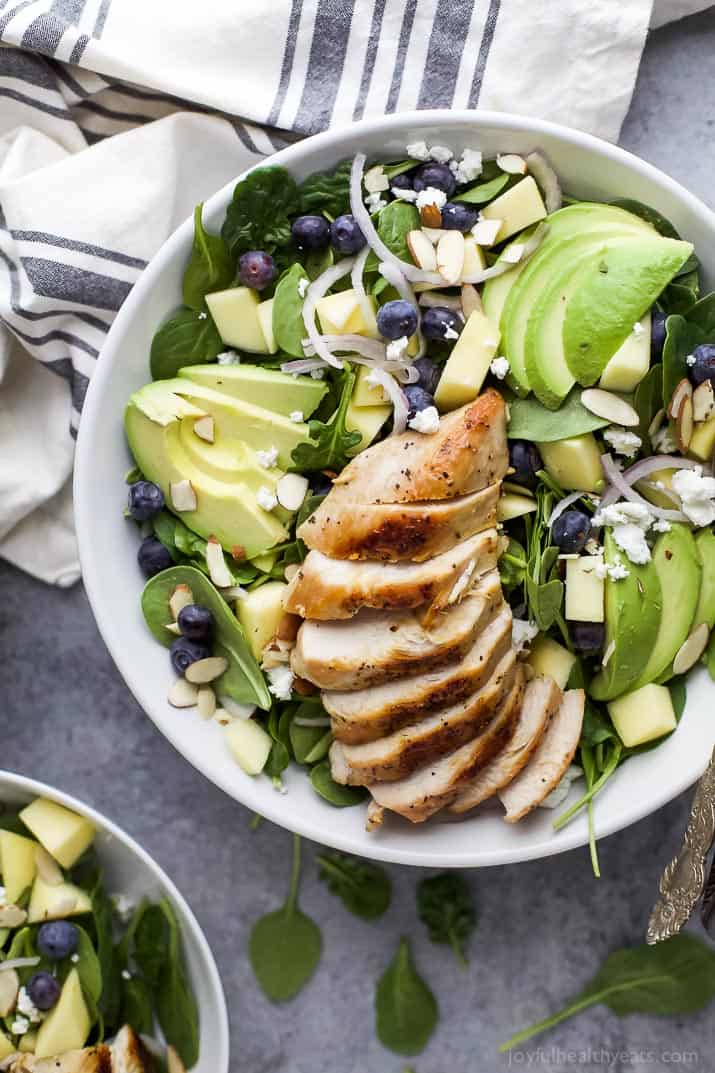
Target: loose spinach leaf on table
column 445, row 907
column 333, row 792
column 187, row 338
column 285, row 946
column 364, row 888
column 529, row 420
column 327, row 192
column 332, row 441
column 673, row 977
column 406, row 1011
column 258, row 215
column 210, row 266
column 288, row 325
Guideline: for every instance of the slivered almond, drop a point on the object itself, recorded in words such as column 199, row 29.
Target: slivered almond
column 181, row 597
column 430, row 216
column 434, row 234
column 655, row 424
column 204, row 428
column 684, row 389
column 173, row 627
column 450, row 256
column 9, row 988
column 206, row 670
column 215, row 561
column 703, row 401
column 421, row 250
column 438, row 298
column 609, row 406
column 206, row 702
column 47, row 867
column 375, row 180
column 684, row 424
column 291, row 490
column 12, row 916
column 485, row 232
column 511, row 163
column 471, row 302
column 183, row 496
column 691, row 649
column 182, row 694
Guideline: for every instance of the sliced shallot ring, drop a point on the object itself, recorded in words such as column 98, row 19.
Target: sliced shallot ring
column 303, row 365
column 564, row 504
column 624, row 487
column 546, row 179
column 318, row 289
column 400, row 406
column 350, row 344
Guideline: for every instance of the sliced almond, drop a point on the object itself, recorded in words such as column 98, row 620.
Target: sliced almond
column 471, row 302
column 511, row 163
column 183, row 496
column 173, row 627
column 204, row 428
column 218, row 571
column 9, row 989
column 47, row 867
column 691, row 649
column 434, row 234
column 609, row 406
column 375, row 180
column 683, row 390
column 513, row 254
column 181, row 597
column 291, row 490
column 485, row 232
column 421, row 250
column 206, row 702
column 430, row 216
column 703, row 401
column 450, row 256
column 183, row 694
column 438, row 298
column 655, row 424
column 291, row 570
column 173, row 1061
column 684, row 424
column 12, row 916
column 206, row 670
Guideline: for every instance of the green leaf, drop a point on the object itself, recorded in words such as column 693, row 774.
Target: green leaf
column 258, row 216
column 110, row 969
column 340, row 796
column 399, row 168
column 88, row 968
column 651, row 216
column 317, row 261
column 702, row 315
column 648, row 400
column 544, row 601
column 597, row 727
column 188, row 338
column 332, row 441
column 512, row 565
column 406, row 1011
column 136, row 1005
column 529, row 420
column 445, row 907
column 285, row 946
column 681, row 338
column 394, row 223
column 210, row 267
column 680, row 295
column 327, row 192
column 678, row 695
column 243, row 681
column 483, row 192
column 364, row 888
column 288, row 325
column 150, row 937
column 670, row 978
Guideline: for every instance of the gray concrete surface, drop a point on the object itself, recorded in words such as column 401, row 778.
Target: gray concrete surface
column 67, row 718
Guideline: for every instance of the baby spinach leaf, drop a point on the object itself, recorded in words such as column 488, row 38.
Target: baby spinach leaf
column 316, row 262
column 150, row 939
column 110, row 968
column 702, row 315
column 646, row 212
column 187, row 338
column 332, row 439
column 512, row 565
column 597, row 727
column 544, row 600
column 210, row 267
column 258, row 215
column 681, row 293
column 327, row 192
column 445, row 907
column 681, row 338
column 288, row 325
column 406, row 1011
column 136, row 1005
column 285, row 946
column 399, row 168
column 483, row 192
column 673, row 977
column 364, row 888
column 340, row 796
column 394, row 223
column 529, row 420
column 88, row 968
column 243, row 681
column 648, row 399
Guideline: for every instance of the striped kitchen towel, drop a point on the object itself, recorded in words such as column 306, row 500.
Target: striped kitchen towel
column 117, row 116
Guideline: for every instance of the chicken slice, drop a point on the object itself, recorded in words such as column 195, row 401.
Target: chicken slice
column 401, row 753
column 376, row 646
column 327, row 588
column 555, row 752
column 467, row 453
column 396, row 532
column 129, row 1055
column 434, row 786
column 542, row 698
column 88, row 1060
column 366, row 714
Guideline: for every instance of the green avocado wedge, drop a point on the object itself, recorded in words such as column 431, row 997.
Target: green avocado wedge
column 243, row 681
column 633, row 610
column 273, row 390
column 705, row 547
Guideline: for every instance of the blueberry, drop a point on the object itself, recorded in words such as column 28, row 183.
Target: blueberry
column 458, row 217
column 43, row 990
column 657, row 334
column 256, row 269
column 429, row 374
column 571, row 531
column 196, row 623
column 703, row 367
column 320, row 484
column 402, row 181
column 153, row 557
column 418, row 399
column 185, row 652
column 438, row 322
column 57, row 939
column 311, row 232
column 587, row 636
column 397, row 319
column 145, row 500
column 525, row 460
column 435, row 175
column 345, row 234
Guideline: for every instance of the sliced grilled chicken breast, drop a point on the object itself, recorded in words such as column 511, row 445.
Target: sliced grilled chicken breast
column 88, row 1060
column 467, row 453
column 434, row 786
column 396, row 532
column 401, row 753
column 366, row 714
column 327, row 588
column 376, row 646
column 542, row 698
column 129, row 1055
column 551, row 759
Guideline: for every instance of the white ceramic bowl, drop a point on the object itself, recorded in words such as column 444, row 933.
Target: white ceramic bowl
column 131, row 871
column 588, row 167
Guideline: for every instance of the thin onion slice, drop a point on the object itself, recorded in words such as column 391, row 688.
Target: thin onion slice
column 404, row 373
column 358, row 344
column 317, row 290
column 530, row 246
column 622, row 484
column 400, row 406
column 397, row 280
column 303, row 365
column 562, row 505
column 19, row 963
column 546, row 179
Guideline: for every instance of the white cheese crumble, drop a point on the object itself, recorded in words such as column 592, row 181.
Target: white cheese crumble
column 629, row 522
column 203, row 316
column 431, row 196
column 499, row 367
column 267, row 458
column 403, row 195
column 280, row 682
column 74, row 958
column 622, row 441
column 417, row 150
column 663, row 441
column 303, row 285
column 126, row 975
column 441, row 154
column 601, row 571
column 266, row 499
column 593, row 547
column 690, row 359
column 396, row 349
column 20, row 1026
column 661, row 525
column 618, row 571
column 449, row 333
column 638, row 328
column 522, row 634
column 696, row 494
column 27, row 1007
column 469, row 166
column 426, row 421
column 296, row 415
column 228, row 357
column 561, row 791
column 375, row 202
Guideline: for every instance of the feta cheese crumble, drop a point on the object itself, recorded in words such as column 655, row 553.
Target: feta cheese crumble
column 618, row 571
column 661, row 525
column 395, row 350
column 267, row 458
column 663, row 441
column 27, row 1008
column 317, row 374
column 266, row 499
column 449, row 333
column 601, row 571
column 203, row 316
column 417, row 150
column 426, row 421
column 74, row 958
column 522, row 634
column 431, row 196
column 375, row 202
column 303, row 285
column 296, row 415
column 469, row 166
column 690, row 359
column 638, row 328
column 629, row 523
column 126, row 975
column 403, row 195
column 228, row 357
column 280, row 682
column 499, row 367
column 696, row 494
column 124, row 906
column 622, row 441
column 20, row 1026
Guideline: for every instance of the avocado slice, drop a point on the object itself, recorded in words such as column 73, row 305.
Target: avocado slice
column 634, row 274
column 705, row 547
column 278, row 392
column 675, row 559
column 633, row 607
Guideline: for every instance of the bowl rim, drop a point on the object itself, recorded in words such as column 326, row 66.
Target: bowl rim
column 573, row 836
column 36, row 788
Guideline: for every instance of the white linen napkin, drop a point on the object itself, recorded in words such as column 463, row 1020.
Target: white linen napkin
column 117, row 116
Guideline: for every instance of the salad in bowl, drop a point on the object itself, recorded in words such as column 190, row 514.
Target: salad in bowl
column 424, row 482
